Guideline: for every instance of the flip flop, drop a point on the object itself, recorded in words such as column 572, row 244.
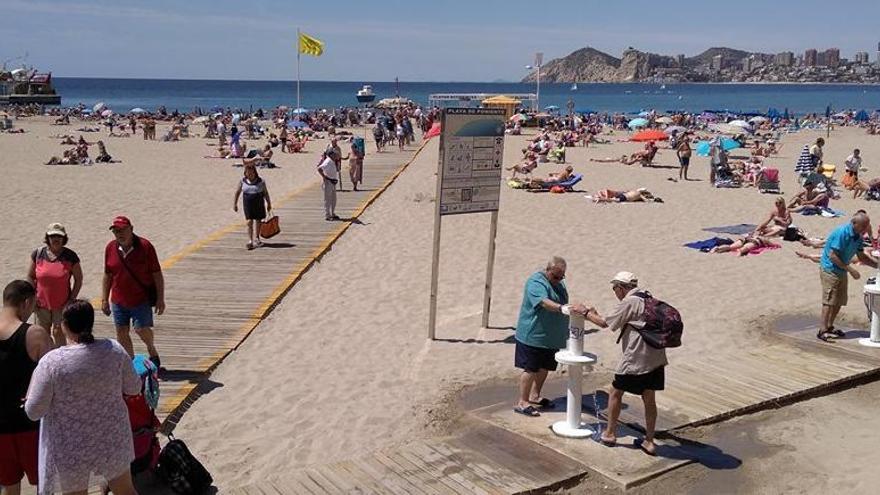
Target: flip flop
column 607, row 443
column 527, row 411
column 825, row 336
column 837, row 333
column 544, row 403
column 641, row 445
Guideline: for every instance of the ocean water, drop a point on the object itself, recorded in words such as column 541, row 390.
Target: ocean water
column 184, row 95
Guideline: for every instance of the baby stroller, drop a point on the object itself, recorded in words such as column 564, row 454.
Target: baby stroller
column 142, row 415
column 769, row 181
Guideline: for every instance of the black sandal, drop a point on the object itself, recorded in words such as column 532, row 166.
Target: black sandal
column 825, row 336
column 837, row 333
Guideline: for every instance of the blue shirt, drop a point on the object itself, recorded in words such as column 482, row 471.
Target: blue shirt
column 845, row 242
column 536, row 326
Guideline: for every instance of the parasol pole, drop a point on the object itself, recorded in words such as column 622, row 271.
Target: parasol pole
column 297, row 68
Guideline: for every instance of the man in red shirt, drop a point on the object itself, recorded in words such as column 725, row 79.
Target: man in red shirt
column 132, row 286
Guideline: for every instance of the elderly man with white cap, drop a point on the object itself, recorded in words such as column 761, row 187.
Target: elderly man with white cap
column 641, row 368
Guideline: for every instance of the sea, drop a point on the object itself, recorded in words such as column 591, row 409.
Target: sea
column 122, row 95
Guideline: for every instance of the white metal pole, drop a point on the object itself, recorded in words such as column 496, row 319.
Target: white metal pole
column 538, row 91
column 435, row 258
column 298, row 105
column 490, row 265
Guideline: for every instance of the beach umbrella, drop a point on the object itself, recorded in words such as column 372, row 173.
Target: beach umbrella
column 551, row 108
column 300, row 110
column 296, row 124
column 674, row 128
column 98, row 106
column 107, row 113
column 664, row 120
column 636, row 123
column 862, row 116
column 137, row 110
column 200, row 120
column 433, row 131
column 650, row 135
column 543, row 115
column 728, row 144
column 740, row 123
column 518, row 117
column 758, row 120
column 236, row 118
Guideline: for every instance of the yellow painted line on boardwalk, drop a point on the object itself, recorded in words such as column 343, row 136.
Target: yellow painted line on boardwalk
column 208, row 363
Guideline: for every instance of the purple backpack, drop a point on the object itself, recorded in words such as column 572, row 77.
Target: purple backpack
column 663, row 326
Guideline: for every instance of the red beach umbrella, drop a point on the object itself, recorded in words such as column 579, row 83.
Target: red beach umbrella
column 650, row 135
column 433, row 131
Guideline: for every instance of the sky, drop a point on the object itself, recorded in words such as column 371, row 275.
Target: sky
column 415, row 40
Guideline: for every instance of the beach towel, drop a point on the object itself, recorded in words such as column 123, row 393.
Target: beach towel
column 759, row 250
column 739, row 229
column 707, row 245
column 825, row 212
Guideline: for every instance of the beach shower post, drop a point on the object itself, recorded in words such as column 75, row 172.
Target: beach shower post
column 573, row 357
column 872, row 301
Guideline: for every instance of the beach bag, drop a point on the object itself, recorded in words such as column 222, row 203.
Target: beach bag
column 270, row 227
column 663, row 326
column 181, row 470
column 142, row 417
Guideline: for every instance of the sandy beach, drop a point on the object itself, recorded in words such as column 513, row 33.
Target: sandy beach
column 342, row 366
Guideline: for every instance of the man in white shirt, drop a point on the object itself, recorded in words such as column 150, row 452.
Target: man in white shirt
column 854, row 162
column 330, row 175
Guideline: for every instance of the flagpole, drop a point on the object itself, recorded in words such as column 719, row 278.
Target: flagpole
column 297, row 68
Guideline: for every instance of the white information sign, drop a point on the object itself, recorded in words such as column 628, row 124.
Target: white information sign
column 471, row 160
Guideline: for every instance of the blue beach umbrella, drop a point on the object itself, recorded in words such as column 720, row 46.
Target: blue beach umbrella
column 636, row 123
column 300, row 110
column 862, row 116
column 728, row 144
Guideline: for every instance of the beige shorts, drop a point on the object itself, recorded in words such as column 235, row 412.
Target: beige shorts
column 833, row 288
column 46, row 318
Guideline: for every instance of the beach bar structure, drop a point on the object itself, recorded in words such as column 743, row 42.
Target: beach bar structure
column 477, row 99
column 506, row 103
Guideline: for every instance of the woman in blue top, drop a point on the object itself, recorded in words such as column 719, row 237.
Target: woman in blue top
column 255, row 200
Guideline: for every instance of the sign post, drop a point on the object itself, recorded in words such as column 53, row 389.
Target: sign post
column 468, row 181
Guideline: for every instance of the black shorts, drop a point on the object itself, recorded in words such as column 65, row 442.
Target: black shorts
column 684, row 161
column 532, row 359
column 637, row 384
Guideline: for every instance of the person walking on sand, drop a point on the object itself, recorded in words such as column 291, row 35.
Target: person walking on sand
column 55, row 271
column 255, row 202
column 640, row 370
column 337, row 158
column 330, row 176
column 21, row 347
column 841, row 245
column 541, row 330
column 683, row 151
column 133, row 284
column 77, row 391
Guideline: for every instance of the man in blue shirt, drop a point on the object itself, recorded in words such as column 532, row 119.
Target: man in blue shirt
column 841, row 246
column 542, row 329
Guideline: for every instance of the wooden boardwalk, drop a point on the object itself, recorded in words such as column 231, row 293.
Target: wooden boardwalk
column 482, row 461
column 217, row 291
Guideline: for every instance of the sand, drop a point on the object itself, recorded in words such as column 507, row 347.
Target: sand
column 342, row 366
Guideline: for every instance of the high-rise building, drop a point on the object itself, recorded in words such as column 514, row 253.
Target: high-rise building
column 832, row 57
column 679, row 59
column 820, row 59
column 861, row 58
column 785, row 59
column 717, row 62
column 811, row 57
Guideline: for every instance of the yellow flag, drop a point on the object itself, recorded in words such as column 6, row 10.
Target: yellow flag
column 310, row 46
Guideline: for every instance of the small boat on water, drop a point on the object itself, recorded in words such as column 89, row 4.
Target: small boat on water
column 365, row 94
column 574, row 87
column 25, row 85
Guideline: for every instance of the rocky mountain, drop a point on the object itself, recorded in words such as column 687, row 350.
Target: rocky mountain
column 591, row 65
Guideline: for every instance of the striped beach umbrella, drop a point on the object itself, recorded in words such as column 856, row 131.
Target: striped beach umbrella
column 804, row 165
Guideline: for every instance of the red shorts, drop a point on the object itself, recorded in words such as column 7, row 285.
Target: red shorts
column 18, row 457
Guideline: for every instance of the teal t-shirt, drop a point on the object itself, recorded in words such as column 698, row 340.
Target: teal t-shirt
column 536, row 326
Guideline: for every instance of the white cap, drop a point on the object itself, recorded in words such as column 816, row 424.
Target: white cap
column 626, row 278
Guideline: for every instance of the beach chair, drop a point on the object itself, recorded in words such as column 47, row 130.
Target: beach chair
column 769, row 181
column 567, row 185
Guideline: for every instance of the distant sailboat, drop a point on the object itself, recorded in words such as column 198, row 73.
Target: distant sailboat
column 574, row 87
column 663, row 86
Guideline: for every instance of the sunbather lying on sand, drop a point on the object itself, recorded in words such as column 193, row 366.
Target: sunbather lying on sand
column 743, row 245
column 553, row 178
column 632, row 196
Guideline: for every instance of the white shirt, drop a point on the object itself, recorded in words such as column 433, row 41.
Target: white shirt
column 853, row 163
column 328, row 166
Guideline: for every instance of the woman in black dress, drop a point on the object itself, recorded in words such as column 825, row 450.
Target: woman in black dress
column 255, row 200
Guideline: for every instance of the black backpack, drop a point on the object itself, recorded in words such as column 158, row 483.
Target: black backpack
column 663, row 326
column 181, row 471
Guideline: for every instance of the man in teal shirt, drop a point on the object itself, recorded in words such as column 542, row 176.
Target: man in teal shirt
column 542, row 329
column 841, row 246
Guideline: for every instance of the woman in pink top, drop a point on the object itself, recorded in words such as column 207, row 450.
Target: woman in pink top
column 51, row 270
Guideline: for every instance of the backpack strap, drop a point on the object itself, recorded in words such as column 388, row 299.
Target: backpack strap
column 643, row 295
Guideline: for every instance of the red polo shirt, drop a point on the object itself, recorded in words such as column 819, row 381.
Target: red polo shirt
column 143, row 262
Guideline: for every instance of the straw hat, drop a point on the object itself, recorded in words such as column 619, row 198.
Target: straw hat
column 56, row 229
